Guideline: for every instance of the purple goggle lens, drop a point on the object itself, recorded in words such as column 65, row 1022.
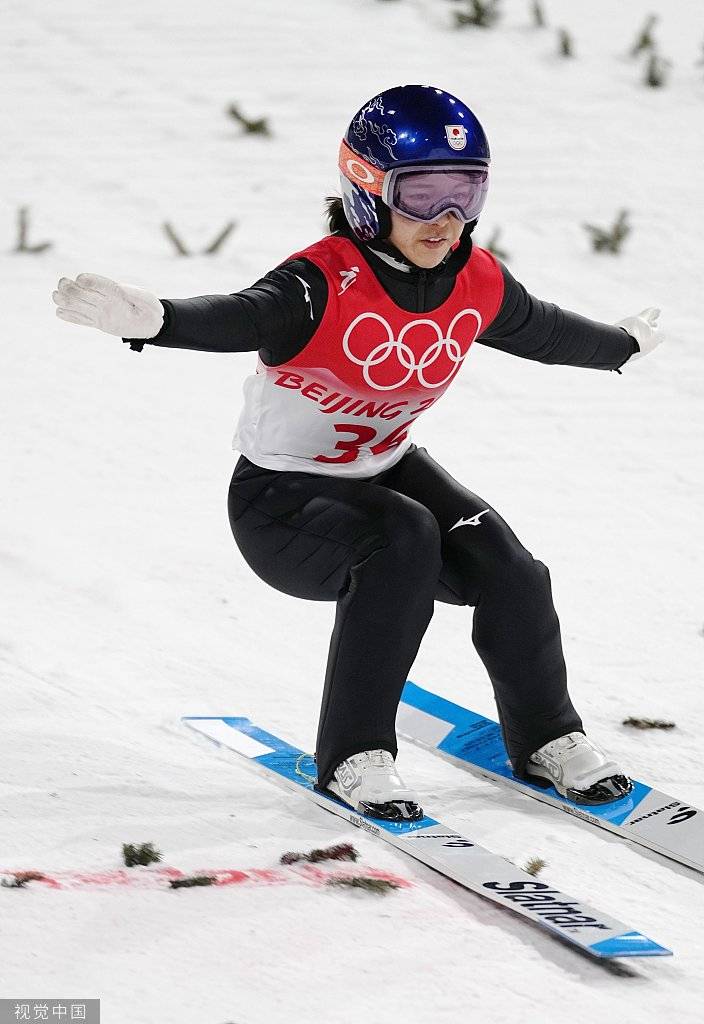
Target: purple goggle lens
column 425, row 195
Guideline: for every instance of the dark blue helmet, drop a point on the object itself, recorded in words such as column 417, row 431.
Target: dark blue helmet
column 409, row 126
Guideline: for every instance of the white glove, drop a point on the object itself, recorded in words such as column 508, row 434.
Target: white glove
column 644, row 328
column 119, row 309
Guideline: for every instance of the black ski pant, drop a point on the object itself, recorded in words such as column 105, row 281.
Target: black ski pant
column 385, row 548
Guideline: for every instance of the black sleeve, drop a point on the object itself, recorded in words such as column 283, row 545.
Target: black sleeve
column 528, row 327
column 277, row 316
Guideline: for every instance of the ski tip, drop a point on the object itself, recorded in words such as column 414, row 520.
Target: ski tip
column 236, row 723
column 629, row 944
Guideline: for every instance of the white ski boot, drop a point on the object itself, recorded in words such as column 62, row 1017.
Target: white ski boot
column 579, row 770
column 369, row 783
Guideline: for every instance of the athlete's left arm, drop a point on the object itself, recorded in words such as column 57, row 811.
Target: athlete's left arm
column 533, row 329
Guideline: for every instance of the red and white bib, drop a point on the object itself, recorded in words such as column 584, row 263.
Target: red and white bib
column 346, row 403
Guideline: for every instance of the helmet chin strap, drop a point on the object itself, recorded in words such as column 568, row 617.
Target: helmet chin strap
column 383, row 214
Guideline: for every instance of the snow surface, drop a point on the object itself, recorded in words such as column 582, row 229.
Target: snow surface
column 125, row 603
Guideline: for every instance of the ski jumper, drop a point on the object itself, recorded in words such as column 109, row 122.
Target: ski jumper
column 331, row 501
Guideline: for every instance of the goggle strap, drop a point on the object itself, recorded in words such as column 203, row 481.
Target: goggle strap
column 360, row 171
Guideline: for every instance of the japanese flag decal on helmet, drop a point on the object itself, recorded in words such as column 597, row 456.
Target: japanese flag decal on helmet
column 456, row 136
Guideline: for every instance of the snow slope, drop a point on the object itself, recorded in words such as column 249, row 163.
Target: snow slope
column 125, row 603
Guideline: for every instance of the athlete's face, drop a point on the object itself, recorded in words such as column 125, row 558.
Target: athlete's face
column 425, row 244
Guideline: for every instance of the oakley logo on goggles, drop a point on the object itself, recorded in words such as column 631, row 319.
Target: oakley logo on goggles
column 422, row 194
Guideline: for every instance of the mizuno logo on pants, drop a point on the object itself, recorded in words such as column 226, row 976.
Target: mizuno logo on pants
column 474, row 521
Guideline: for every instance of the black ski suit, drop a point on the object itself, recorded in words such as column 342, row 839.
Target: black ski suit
column 384, row 547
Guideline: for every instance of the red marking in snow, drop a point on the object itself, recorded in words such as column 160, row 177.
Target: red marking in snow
column 159, row 878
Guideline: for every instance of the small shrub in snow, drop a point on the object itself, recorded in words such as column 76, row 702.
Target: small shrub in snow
column 538, row 15
column 610, row 240
column 564, row 43
column 173, row 237
column 260, row 126
column 181, row 249
column 23, row 231
column 656, row 71
column 482, row 13
column 493, row 246
column 378, row 885
column 344, row 851
column 144, row 854
column 648, row 723
column 190, row 883
column 534, row 866
column 644, row 39
column 20, row 878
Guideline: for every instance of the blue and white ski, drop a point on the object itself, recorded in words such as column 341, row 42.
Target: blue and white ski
column 439, row 847
column 646, row 816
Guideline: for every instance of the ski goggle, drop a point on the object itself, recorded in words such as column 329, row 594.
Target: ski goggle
column 421, row 193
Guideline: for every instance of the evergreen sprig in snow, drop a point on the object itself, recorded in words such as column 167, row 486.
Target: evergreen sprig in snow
column 143, row 854
column 378, row 885
column 189, row 883
column 19, row 879
column 343, row 851
column 648, row 723
column 534, row 865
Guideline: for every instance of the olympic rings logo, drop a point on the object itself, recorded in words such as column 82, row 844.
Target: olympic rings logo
column 444, row 345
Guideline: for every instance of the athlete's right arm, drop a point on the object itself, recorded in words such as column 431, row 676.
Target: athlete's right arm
column 277, row 316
